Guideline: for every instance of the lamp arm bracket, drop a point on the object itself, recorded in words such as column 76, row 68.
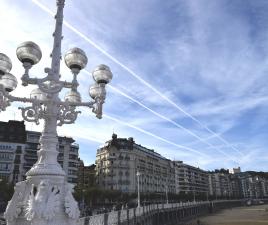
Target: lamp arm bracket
column 27, row 80
column 67, row 84
column 10, row 98
column 97, row 107
column 32, row 113
column 66, row 113
column 79, row 104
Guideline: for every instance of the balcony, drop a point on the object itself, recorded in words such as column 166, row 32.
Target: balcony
column 124, row 166
column 33, row 140
column 111, row 157
column 4, row 150
column 60, row 158
column 31, row 150
column 73, row 160
column 6, row 160
column 27, row 166
column 111, row 174
column 74, row 153
column 75, row 145
column 5, row 171
column 123, row 182
column 111, row 182
column 30, row 157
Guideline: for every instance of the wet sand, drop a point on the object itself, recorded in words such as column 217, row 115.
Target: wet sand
column 253, row 215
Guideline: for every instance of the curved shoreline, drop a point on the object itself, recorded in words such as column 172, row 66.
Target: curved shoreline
column 253, row 215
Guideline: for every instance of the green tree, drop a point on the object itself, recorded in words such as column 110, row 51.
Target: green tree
column 6, row 191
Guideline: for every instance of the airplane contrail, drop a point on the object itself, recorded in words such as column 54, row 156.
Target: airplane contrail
column 171, row 121
column 155, row 136
column 135, row 75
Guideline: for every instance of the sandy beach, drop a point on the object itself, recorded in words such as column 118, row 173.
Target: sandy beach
column 254, row 215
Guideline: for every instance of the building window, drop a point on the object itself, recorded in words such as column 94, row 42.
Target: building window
column 72, row 164
column 5, row 166
column 5, row 147
column 72, row 172
column 74, row 157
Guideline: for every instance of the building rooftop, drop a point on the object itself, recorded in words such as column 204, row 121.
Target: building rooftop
column 130, row 144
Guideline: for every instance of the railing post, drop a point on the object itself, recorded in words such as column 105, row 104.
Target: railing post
column 127, row 216
column 134, row 214
column 106, row 219
column 86, row 220
column 118, row 217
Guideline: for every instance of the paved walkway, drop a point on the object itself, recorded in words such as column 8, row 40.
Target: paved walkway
column 254, row 215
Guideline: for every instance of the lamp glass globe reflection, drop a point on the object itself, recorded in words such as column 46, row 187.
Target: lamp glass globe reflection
column 97, row 90
column 9, row 82
column 76, row 58
column 38, row 94
column 29, row 52
column 73, row 96
column 102, row 74
column 5, row 64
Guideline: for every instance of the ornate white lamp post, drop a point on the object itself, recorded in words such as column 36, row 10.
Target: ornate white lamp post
column 166, row 194
column 45, row 197
column 138, row 181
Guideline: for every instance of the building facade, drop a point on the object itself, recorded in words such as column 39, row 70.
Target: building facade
column 248, row 185
column 12, row 144
column 220, row 185
column 18, row 152
column 190, row 180
column 119, row 161
column 86, row 175
column 236, row 191
column 254, row 184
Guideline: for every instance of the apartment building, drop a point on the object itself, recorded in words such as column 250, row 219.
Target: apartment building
column 253, row 184
column 120, row 160
column 86, row 175
column 190, row 179
column 18, row 152
column 68, row 158
column 250, row 184
column 220, row 185
column 12, row 144
column 236, row 192
column 235, row 170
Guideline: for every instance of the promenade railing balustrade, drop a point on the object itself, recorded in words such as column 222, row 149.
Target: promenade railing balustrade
column 132, row 215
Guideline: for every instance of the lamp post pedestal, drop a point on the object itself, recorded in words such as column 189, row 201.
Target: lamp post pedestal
column 42, row 200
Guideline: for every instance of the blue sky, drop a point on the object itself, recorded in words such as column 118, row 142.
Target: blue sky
column 190, row 77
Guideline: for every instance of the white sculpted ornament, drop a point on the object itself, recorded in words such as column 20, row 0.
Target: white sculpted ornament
column 71, row 206
column 43, row 202
column 15, row 205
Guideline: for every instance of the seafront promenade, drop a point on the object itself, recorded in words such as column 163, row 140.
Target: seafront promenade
column 253, row 215
column 160, row 214
column 191, row 213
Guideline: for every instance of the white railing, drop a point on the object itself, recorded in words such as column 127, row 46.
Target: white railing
column 112, row 217
column 123, row 215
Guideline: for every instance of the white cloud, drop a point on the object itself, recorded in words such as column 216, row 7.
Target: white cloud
column 211, row 69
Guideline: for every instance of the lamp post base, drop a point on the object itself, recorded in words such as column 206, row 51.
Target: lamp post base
column 42, row 200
